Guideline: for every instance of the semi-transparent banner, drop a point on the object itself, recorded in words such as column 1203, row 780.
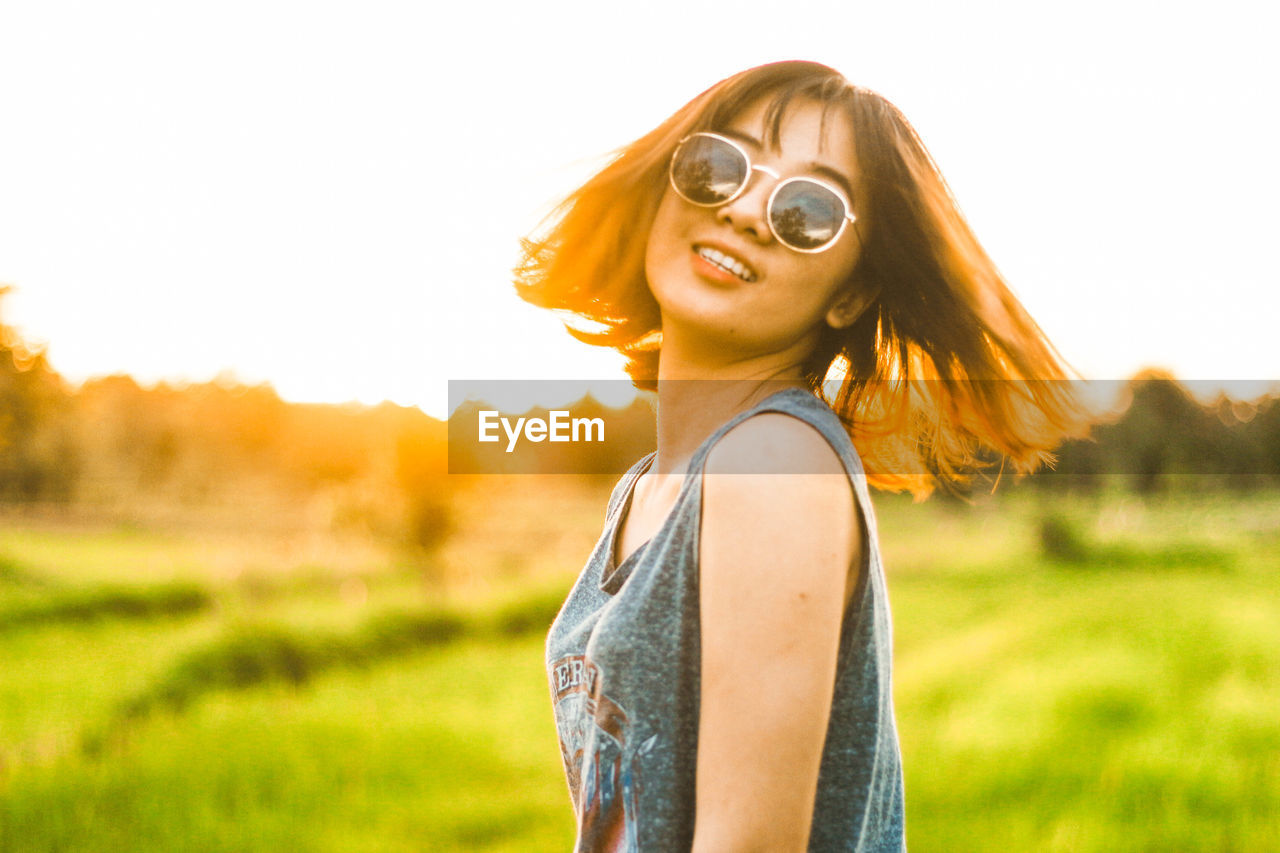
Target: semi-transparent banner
column 1154, row 426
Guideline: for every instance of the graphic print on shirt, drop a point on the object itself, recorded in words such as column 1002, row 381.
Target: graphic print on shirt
column 594, row 727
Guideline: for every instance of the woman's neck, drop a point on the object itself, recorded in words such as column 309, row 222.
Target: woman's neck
column 697, row 393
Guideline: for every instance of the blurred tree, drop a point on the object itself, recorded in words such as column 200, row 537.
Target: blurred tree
column 421, row 472
column 1164, row 433
column 38, row 458
column 1263, row 430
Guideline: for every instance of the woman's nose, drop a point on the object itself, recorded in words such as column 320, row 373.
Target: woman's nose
column 748, row 212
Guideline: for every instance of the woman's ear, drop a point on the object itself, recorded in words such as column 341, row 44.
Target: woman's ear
column 850, row 305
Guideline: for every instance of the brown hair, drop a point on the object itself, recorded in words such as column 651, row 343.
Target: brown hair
column 943, row 367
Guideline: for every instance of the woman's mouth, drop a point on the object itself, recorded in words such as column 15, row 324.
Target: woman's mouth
column 728, row 263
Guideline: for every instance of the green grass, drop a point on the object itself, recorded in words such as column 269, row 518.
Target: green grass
column 1120, row 700
column 56, row 681
column 1123, row 699
column 453, row 749
column 1131, row 713
column 105, row 601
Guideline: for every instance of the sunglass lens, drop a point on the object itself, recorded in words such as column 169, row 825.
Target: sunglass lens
column 806, row 215
column 708, row 170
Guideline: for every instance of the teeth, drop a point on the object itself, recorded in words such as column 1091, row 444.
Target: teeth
column 725, row 262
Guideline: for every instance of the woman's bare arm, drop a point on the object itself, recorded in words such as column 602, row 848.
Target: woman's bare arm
column 775, row 552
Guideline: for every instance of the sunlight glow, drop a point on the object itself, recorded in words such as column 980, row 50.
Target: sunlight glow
column 332, row 201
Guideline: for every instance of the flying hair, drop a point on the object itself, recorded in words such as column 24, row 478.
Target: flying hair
column 942, row 376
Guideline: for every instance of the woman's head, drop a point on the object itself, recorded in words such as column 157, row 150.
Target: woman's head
column 591, row 260
column 749, row 253
column 905, row 307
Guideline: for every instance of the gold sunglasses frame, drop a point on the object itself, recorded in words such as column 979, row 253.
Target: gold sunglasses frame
column 849, row 215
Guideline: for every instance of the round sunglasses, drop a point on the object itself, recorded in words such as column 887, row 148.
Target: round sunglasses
column 804, row 214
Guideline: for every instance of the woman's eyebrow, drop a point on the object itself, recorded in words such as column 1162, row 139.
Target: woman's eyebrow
column 829, row 172
column 834, row 175
column 739, row 136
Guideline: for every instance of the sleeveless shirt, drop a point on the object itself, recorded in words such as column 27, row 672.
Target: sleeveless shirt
column 623, row 659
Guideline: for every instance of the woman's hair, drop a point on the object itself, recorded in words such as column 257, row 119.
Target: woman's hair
column 942, row 370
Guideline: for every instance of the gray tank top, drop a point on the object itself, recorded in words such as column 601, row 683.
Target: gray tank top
column 623, row 660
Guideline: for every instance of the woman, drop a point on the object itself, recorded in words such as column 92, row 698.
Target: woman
column 781, row 261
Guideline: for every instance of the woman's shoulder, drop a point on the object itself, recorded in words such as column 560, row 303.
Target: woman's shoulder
column 776, row 442
column 795, row 506
column 805, row 482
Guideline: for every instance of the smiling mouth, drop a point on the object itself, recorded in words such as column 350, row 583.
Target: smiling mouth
column 725, row 262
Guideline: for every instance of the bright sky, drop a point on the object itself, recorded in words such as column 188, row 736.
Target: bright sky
column 329, row 196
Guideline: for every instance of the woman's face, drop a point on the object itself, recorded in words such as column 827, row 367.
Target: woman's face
column 783, row 298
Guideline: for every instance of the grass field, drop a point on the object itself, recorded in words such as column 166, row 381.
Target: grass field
column 174, row 691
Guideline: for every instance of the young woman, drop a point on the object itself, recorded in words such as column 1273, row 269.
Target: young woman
column 783, row 263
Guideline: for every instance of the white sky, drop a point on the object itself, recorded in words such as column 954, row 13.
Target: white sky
column 329, row 196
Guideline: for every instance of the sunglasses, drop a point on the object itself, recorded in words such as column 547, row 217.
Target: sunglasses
column 804, row 214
